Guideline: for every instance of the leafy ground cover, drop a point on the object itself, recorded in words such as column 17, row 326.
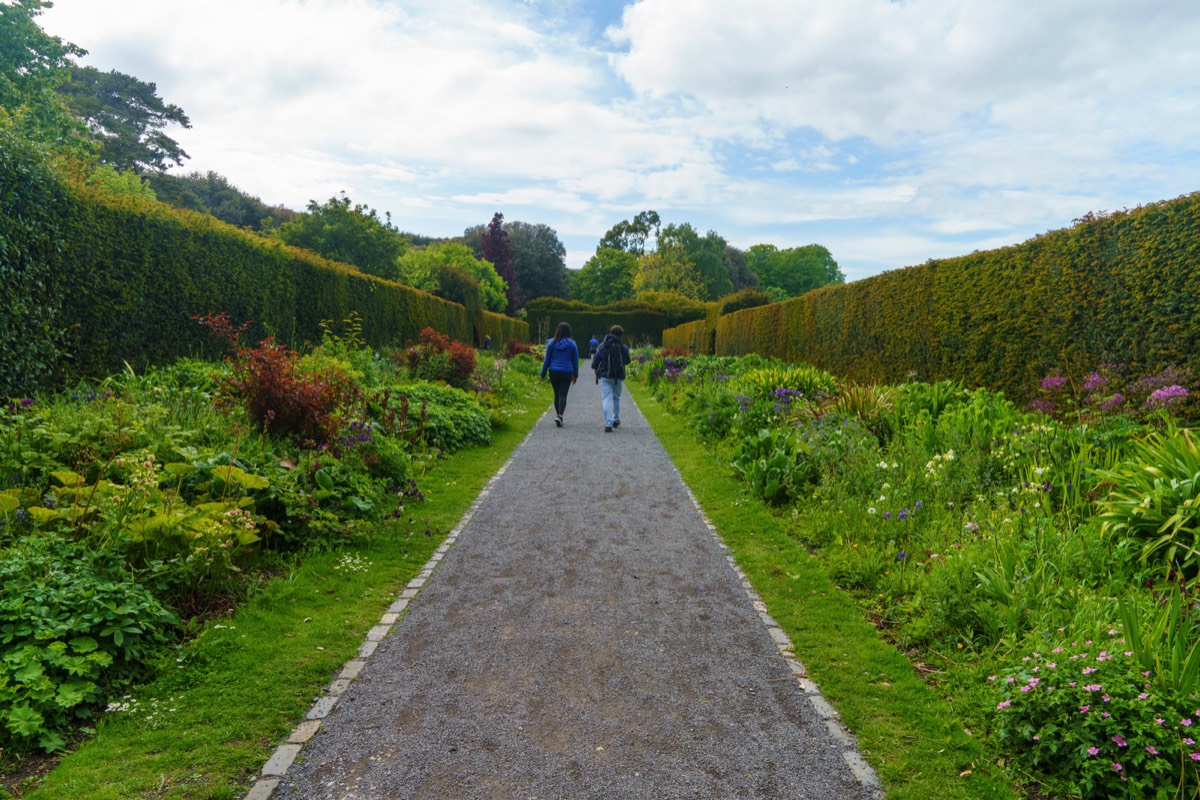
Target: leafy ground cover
column 188, row 555
column 1035, row 566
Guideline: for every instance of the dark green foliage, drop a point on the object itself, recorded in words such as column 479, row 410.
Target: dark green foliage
column 498, row 250
column 210, row 193
column 30, row 236
column 606, row 277
column 445, row 418
column 73, row 626
column 631, row 236
column 126, row 117
column 746, row 298
column 539, row 257
column 140, row 271
column 706, row 253
column 349, row 234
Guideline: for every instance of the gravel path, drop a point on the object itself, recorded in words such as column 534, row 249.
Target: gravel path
column 584, row 637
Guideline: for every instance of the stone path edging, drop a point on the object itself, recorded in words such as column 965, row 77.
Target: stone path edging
column 284, row 755
column 854, row 760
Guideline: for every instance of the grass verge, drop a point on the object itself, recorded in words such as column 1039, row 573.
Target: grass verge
column 905, row 729
column 206, row 725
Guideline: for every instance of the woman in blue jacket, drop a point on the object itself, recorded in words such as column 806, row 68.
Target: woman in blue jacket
column 562, row 364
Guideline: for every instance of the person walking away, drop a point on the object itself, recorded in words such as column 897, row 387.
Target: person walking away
column 562, row 365
column 592, row 345
column 609, row 363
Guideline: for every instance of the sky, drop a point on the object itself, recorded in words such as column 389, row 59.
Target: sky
column 889, row 131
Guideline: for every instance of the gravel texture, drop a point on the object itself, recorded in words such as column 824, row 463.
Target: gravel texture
column 585, row 637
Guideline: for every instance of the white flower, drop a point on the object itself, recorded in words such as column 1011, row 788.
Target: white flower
column 871, row 510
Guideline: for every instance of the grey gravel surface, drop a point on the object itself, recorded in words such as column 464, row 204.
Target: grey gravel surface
column 586, row 637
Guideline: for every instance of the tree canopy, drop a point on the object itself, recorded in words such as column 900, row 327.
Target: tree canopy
column 353, row 234
column 126, row 118
column 436, row 269
column 32, row 66
column 793, row 271
column 705, row 253
column 498, row 250
column 211, row 193
column 539, row 257
column 632, row 235
column 606, row 277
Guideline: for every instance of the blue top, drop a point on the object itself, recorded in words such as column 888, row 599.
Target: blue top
column 561, row 357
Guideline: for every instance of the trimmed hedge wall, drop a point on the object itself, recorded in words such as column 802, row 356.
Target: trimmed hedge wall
column 697, row 337
column 135, row 272
column 1123, row 288
column 640, row 326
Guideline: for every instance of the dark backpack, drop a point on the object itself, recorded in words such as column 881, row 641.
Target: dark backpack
column 612, row 363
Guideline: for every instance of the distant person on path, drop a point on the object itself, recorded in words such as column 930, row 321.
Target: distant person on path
column 592, row 345
column 562, row 364
column 487, row 342
column 609, row 364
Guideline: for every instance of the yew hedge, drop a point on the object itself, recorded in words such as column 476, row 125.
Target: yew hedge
column 1121, row 288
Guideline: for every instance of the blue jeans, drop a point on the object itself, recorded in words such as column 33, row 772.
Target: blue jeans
column 610, row 400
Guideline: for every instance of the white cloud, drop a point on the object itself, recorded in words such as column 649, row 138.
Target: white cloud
column 917, row 129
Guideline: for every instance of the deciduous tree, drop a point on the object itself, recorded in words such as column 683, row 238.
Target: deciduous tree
column 420, row 268
column 32, row 65
column 793, row 271
column 633, row 235
column 353, row 234
column 606, row 277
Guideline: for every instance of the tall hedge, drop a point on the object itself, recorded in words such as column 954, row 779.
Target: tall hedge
column 1123, row 288
column 136, row 273
column 30, row 325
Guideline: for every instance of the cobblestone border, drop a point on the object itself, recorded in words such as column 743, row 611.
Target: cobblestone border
column 854, row 759
column 283, row 757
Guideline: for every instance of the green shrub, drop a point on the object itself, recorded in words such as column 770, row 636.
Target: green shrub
column 1081, row 714
column 444, row 418
column 31, row 326
column 74, row 627
column 1155, row 498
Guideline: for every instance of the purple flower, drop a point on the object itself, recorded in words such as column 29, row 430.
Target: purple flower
column 1094, row 382
column 1053, row 382
column 1113, row 402
column 1042, row 406
column 901, row 555
column 1160, row 398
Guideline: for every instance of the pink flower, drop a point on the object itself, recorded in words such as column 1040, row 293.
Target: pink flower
column 1189, row 740
column 1105, row 698
column 1088, row 670
column 1187, row 723
column 1120, row 742
column 1143, row 696
column 1084, row 709
column 1194, row 756
column 1093, row 751
column 1003, row 704
column 1117, row 766
column 991, row 677
column 1159, row 721
column 1150, row 749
